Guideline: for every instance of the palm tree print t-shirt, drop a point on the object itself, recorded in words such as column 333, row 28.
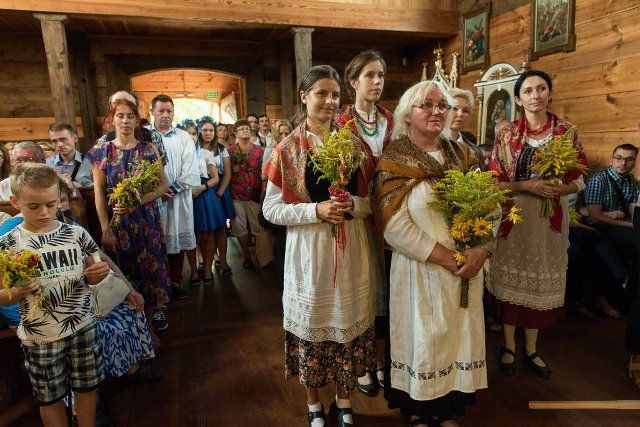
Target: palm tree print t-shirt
column 62, row 262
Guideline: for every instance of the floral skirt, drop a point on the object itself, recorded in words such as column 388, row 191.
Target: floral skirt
column 319, row 363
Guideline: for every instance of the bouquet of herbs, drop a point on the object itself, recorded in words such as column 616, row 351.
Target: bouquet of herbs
column 19, row 269
column 470, row 203
column 553, row 161
column 335, row 160
column 140, row 181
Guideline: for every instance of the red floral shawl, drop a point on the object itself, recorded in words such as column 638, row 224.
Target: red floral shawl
column 288, row 161
column 504, row 159
column 349, row 113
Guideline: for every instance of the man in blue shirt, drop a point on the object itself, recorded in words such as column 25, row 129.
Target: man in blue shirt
column 609, row 196
column 69, row 162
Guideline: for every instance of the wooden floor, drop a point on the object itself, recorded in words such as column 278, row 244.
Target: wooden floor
column 223, row 357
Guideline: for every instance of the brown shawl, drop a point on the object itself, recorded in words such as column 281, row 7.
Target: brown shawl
column 404, row 165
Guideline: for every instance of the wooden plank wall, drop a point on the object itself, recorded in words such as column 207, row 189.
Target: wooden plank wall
column 25, row 93
column 596, row 86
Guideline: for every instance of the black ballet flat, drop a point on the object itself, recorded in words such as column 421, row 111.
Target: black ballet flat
column 312, row 415
column 370, row 390
column 542, row 371
column 507, row 368
column 339, row 412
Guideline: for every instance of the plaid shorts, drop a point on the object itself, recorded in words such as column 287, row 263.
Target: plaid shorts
column 75, row 360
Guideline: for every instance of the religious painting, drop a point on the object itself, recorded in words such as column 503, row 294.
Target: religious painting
column 552, row 27
column 475, row 39
column 498, row 110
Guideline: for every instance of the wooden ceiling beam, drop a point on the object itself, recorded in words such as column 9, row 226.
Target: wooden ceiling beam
column 432, row 17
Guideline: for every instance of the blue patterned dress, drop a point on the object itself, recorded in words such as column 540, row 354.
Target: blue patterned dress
column 140, row 253
column 125, row 339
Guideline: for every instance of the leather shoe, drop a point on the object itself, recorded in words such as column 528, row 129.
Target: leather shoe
column 507, row 368
column 339, row 412
column 542, row 371
column 370, row 390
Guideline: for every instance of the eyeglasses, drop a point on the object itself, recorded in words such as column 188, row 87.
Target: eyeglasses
column 442, row 108
column 465, row 110
column 19, row 160
column 624, row 159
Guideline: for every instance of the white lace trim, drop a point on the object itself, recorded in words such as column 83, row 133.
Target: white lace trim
column 539, row 292
column 328, row 333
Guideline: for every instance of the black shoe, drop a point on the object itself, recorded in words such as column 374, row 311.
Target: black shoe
column 146, row 374
column 195, row 282
column 339, row 412
column 312, row 415
column 507, row 368
column 180, row 293
column 248, row 264
column 226, row 271
column 370, row 390
column 207, row 281
column 542, row 371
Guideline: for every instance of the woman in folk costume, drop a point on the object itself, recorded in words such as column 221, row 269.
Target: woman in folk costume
column 364, row 80
column 329, row 309
column 435, row 350
column 528, row 270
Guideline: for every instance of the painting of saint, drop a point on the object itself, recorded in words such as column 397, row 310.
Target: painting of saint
column 475, row 40
column 552, row 30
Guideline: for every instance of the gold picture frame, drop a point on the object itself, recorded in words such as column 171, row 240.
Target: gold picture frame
column 475, row 39
column 552, row 27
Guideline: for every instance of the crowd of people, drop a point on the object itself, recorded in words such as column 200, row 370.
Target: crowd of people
column 389, row 317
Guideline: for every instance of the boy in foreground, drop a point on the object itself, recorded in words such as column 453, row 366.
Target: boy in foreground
column 59, row 342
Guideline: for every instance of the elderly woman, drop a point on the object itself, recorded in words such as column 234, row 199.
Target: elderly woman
column 528, row 276
column 328, row 309
column 436, row 348
column 462, row 108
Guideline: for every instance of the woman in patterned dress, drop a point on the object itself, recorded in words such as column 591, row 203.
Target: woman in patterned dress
column 137, row 238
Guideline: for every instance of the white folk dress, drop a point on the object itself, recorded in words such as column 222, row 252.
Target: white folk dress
column 436, row 346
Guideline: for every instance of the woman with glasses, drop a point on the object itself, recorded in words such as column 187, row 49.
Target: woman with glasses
column 435, row 348
column 529, row 267
column 364, row 80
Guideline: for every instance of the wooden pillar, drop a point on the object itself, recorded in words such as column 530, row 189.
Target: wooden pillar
column 287, row 91
column 302, row 48
column 81, row 47
column 55, row 45
column 255, row 89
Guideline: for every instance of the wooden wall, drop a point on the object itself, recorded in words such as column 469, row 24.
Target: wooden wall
column 597, row 86
column 24, row 88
